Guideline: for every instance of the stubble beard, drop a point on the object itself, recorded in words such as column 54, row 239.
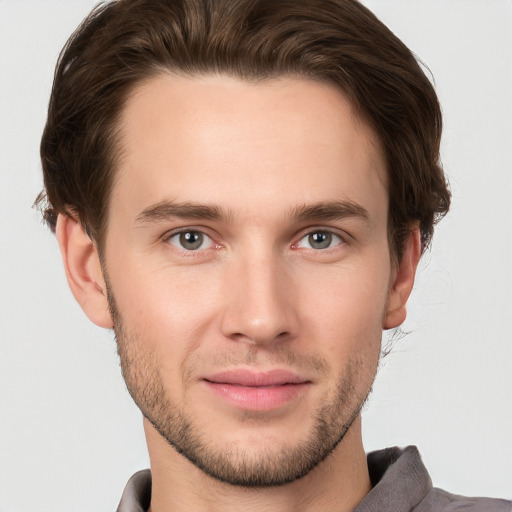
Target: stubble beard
column 270, row 467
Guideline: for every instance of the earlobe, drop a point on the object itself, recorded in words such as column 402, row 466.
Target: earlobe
column 403, row 280
column 83, row 270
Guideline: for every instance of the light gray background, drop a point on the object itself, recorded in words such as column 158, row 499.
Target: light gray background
column 69, row 434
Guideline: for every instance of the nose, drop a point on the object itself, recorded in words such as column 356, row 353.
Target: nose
column 259, row 304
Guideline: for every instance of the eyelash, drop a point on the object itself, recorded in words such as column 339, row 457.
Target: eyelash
column 187, row 231
column 332, row 235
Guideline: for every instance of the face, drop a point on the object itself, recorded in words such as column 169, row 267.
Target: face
column 248, row 269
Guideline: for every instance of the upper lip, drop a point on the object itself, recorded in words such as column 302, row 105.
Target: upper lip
column 252, row 378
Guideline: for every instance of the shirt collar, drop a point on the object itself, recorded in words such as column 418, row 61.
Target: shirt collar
column 399, row 479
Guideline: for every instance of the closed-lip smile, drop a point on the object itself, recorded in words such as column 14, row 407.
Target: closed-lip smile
column 257, row 390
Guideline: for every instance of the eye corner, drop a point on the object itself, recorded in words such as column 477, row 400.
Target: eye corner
column 319, row 240
column 189, row 240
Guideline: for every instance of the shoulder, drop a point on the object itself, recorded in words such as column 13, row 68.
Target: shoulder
column 401, row 483
column 438, row 500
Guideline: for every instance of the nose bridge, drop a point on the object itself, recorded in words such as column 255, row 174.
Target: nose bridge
column 259, row 303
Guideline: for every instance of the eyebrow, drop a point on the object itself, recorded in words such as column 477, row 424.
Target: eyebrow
column 187, row 210
column 317, row 212
column 330, row 210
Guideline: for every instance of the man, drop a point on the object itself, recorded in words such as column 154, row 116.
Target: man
column 243, row 190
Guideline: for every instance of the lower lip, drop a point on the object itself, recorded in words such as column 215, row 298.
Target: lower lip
column 258, row 398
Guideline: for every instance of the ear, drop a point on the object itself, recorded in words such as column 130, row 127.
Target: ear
column 402, row 280
column 83, row 270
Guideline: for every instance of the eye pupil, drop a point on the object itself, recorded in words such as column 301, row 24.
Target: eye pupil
column 191, row 240
column 320, row 239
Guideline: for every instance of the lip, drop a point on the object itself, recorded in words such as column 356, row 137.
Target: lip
column 257, row 390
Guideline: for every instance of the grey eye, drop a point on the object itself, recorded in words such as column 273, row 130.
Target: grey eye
column 320, row 240
column 190, row 240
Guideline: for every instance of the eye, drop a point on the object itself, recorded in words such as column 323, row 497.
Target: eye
column 319, row 240
column 190, row 240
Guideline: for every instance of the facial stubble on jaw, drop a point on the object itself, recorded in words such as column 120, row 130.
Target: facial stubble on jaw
column 235, row 466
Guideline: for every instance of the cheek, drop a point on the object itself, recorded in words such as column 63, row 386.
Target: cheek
column 165, row 316
column 347, row 300
column 344, row 316
column 169, row 306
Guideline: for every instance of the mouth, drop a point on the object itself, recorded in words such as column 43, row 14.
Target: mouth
column 256, row 390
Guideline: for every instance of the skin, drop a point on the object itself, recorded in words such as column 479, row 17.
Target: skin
column 259, row 293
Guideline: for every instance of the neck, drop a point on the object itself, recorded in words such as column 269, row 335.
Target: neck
column 337, row 484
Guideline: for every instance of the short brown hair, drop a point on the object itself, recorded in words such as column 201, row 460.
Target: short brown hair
column 125, row 42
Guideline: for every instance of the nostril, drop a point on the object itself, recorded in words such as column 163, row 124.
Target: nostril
column 260, row 338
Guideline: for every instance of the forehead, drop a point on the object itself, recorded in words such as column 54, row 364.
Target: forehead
column 220, row 140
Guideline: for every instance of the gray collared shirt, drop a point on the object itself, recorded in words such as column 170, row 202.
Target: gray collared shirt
column 400, row 483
